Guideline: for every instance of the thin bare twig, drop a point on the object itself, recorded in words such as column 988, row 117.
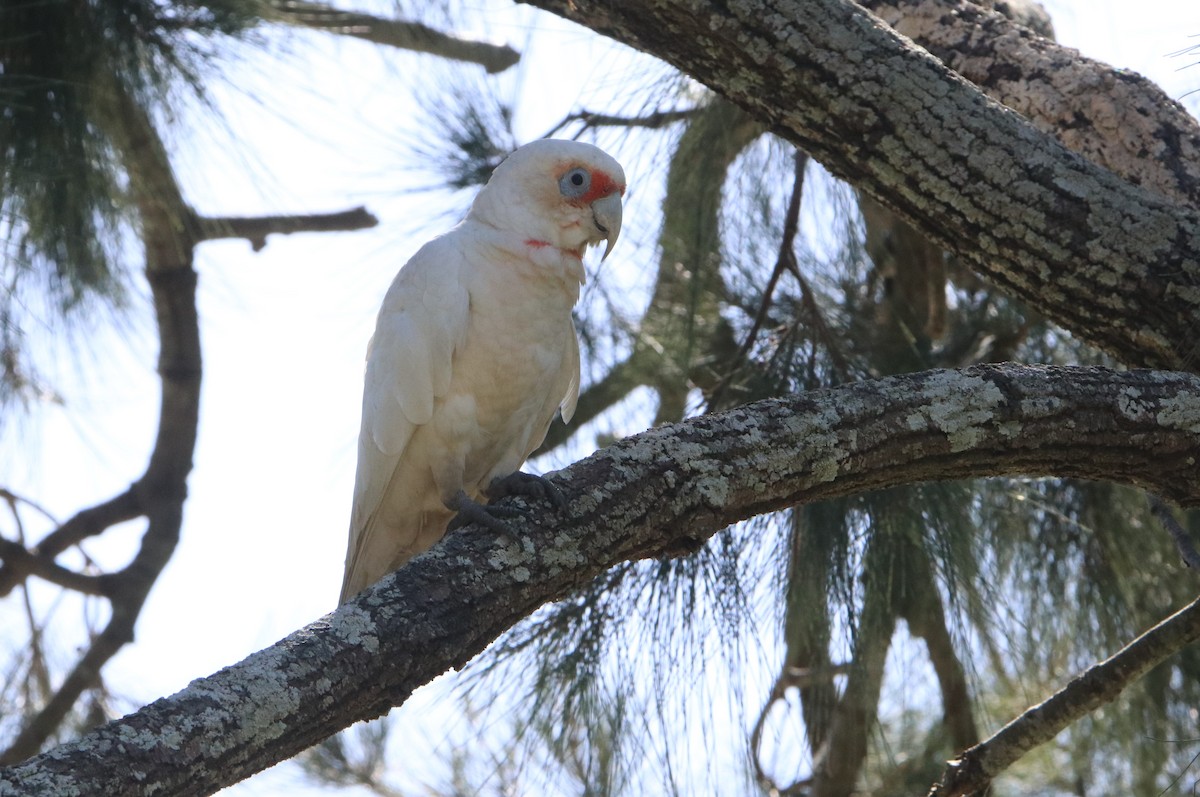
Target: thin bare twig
column 39, row 672
column 255, row 229
column 396, row 33
column 29, row 563
column 1095, row 687
column 14, row 500
column 808, row 299
column 650, row 121
column 1187, row 549
column 786, row 261
column 799, row 677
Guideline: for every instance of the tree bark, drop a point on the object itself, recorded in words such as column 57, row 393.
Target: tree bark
column 635, row 499
column 1115, row 118
column 1115, row 263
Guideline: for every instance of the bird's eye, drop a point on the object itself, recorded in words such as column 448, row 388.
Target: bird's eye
column 575, row 183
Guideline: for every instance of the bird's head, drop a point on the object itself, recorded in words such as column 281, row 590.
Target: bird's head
column 566, row 194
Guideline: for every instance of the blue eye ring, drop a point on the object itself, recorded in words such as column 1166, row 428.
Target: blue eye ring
column 575, row 183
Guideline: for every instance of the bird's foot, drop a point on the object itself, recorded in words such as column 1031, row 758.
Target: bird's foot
column 492, row 516
column 469, row 511
column 528, row 485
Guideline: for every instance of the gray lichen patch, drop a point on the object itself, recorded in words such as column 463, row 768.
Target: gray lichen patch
column 565, row 553
column 825, row 469
column 355, row 626
column 512, row 554
column 1131, row 404
column 713, row 490
column 129, row 739
column 960, row 407
column 1181, row 411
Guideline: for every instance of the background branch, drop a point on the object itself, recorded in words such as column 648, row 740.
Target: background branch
column 1097, row 686
column 160, row 493
column 396, row 33
column 1183, row 542
column 170, row 232
column 255, row 229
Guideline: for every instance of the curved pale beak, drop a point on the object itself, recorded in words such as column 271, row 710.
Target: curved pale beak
column 606, row 215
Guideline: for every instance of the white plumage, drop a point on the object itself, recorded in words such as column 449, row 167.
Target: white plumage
column 474, row 351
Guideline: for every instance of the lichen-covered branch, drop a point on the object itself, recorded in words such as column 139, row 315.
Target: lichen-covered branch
column 635, row 499
column 1117, row 264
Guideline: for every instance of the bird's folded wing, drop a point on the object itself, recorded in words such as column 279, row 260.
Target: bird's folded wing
column 423, row 321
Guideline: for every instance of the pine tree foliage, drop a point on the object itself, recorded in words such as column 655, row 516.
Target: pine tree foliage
column 65, row 188
column 65, row 214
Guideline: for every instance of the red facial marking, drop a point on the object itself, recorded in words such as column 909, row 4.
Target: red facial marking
column 536, row 244
column 602, row 185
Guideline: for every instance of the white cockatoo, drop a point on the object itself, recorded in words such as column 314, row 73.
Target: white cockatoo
column 474, row 352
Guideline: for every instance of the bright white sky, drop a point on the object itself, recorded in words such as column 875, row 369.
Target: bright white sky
column 285, row 329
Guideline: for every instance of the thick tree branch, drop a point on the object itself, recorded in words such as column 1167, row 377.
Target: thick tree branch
column 635, row 499
column 255, row 229
column 1115, row 118
column 1099, row 685
column 1114, row 263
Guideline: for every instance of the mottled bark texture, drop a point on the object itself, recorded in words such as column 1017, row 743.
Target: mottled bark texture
column 1113, row 117
column 638, row 498
column 1113, row 262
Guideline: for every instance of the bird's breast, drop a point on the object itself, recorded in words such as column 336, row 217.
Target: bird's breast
column 515, row 365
